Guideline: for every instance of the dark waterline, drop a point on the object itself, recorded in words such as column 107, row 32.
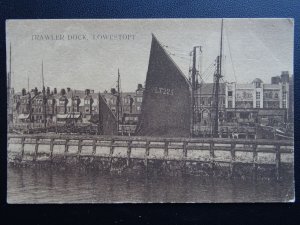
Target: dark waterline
column 29, row 185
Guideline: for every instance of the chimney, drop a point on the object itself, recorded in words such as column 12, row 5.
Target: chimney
column 275, row 80
column 48, row 91
column 62, row 91
column 55, row 91
column 87, row 91
column 36, row 91
column 285, row 76
column 23, row 92
column 139, row 87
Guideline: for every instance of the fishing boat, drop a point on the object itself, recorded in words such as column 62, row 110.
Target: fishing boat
column 166, row 106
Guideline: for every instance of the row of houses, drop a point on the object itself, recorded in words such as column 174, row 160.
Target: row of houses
column 256, row 102
column 47, row 107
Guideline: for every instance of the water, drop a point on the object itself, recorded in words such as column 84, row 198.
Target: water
column 29, row 185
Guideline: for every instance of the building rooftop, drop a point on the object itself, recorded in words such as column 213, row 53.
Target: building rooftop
column 257, row 80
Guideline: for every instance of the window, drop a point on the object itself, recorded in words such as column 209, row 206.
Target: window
column 229, row 104
column 284, row 95
column 257, row 95
column 244, row 115
column 229, row 93
column 138, row 108
column 284, row 104
column 258, row 104
column 86, row 101
column 257, row 84
column 139, row 99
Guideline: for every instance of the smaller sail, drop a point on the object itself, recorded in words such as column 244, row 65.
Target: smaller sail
column 106, row 119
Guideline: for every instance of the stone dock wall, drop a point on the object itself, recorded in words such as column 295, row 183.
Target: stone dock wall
column 271, row 159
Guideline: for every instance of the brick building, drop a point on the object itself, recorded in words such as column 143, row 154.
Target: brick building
column 70, row 105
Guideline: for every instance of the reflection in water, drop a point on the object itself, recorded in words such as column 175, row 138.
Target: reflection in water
column 27, row 185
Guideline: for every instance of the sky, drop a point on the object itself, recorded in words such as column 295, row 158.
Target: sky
column 251, row 47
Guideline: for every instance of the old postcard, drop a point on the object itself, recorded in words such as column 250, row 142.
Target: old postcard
column 150, row 110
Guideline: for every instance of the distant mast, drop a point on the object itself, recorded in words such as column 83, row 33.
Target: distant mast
column 100, row 116
column 44, row 96
column 118, row 100
column 194, row 77
column 218, row 76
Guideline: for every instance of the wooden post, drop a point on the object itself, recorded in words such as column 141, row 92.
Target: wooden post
column 128, row 153
column 36, row 149
column 212, row 155
column 66, row 146
column 94, row 146
column 111, row 152
column 166, row 149
column 22, row 147
column 254, row 161
column 184, row 156
column 184, row 149
column 51, row 148
column 278, row 161
column 232, row 164
column 147, row 154
column 79, row 146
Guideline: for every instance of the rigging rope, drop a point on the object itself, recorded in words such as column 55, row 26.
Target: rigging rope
column 230, row 55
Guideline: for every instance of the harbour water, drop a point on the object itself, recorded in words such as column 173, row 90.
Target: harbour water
column 32, row 185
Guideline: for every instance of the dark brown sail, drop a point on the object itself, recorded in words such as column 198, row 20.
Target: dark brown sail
column 166, row 107
column 106, row 120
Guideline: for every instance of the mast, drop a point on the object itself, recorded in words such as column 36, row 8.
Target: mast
column 218, row 76
column 44, row 96
column 193, row 91
column 73, row 121
column 100, row 118
column 118, row 100
column 194, row 87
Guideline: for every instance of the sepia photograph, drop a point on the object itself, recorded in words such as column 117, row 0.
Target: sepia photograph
column 150, row 110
